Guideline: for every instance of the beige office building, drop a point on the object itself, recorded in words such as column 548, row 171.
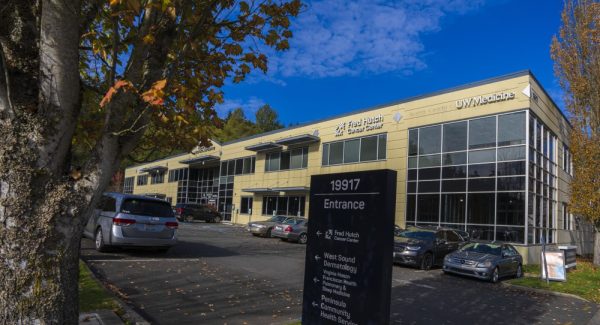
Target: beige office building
column 489, row 157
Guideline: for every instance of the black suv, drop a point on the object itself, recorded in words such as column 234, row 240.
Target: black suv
column 194, row 211
column 425, row 247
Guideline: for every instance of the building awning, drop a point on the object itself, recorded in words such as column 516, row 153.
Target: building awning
column 257, row 190
column 298, row 139
column 264, row 146
column 291, row 189
column 155, row 169
column 201, row 159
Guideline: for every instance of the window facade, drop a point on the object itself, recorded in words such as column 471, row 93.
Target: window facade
column 202, row 185
column 246, row 205
column 567, row 162
column 285, row 160
column 370, row 148
column 284, row 205
column 128, row 185
column 142, row 179
column 157, row 178
column 470, row 175
column 178, row 174
column 542, row 204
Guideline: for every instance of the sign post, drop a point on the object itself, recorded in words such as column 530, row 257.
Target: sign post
column 348, row 268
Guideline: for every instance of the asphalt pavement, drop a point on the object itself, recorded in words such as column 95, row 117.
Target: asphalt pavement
column 220, row 274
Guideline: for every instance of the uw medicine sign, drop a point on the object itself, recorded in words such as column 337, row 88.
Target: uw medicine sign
column 348, row 268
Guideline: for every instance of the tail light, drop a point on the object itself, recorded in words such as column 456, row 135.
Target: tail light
column 123, row 222
column 179, row 210
column 288, row 229
column 172, row 225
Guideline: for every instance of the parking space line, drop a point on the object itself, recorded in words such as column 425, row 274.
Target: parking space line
column 405, row 282
column 147, row 260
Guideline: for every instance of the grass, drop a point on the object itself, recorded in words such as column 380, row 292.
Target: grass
column 583, row 282
column 92, row 296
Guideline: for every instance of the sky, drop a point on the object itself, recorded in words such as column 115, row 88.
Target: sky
column 350, row 55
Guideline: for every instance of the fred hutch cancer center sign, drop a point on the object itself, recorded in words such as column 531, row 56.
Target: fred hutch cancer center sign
column 348, row 268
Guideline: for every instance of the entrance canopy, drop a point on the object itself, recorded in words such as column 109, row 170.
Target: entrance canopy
column 298, row 139
column 200, row 160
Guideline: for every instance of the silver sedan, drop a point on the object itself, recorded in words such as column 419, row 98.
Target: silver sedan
column 292, row 229
column 264, row 228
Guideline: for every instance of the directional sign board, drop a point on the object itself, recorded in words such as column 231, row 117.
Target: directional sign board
column 348, row 269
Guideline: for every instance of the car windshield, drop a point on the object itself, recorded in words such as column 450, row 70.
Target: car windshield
column 293, row 221
column 147, row 208
column 416, row 234
column 277, row 219
column 482, row 248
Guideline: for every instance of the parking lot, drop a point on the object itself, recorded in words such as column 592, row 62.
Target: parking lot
column 220, row 274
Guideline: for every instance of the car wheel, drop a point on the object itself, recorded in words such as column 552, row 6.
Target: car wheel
column 495, row 276
column 519, row 272
column 268, row 234
column 427, row 261
column 189, row 218
column 216, row 219
column 302, row 239
column 99, row 241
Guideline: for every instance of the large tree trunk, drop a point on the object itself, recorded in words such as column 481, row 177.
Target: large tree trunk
column 597, row 248
column 43, row 207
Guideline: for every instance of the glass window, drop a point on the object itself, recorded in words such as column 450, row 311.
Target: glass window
column 230, row 167
column 412, row 162
column 511, row 153
column 284, row 163
column 413, row 142
column 511, row 129
column 482, row 184
column 481, row 208
column 455, row 185
column 482, row 133
column 510, row 234
column 246, row 205
column 382, row 145
column 239, row 166
column 511, row 183
column 411, row 187
column 481, row 232
column 453, row 208
column 482, row 170
column 304, row 157
column 455, row 136
column 296, row 158
column 511, row 209
column 273, row 161
column 351, row 150
column 511, row 168
column 429, row 186
column 430, row 140
column 429, row 161
column 411, row 207
column 412, row 175
column 481, row 156
column 108, row 204
column 429, row 173
column 336, row 153
column 247, row 165
column 282, row 205
column 368, row 148
column 147, row 208
column 455, row 158
column 428, row 208
column 454, row 172
column 325, row 160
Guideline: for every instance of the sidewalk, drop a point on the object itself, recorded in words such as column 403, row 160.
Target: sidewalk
column 100, row 317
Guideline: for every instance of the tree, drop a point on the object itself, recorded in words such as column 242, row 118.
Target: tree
column 266, row 119
column 156, row 68
column 236, row 126
column 576, row 52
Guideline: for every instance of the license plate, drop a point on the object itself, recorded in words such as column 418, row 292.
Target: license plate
column 151, row 227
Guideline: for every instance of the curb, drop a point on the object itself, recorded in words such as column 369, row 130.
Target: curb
column 546, row 292
column 129, row 313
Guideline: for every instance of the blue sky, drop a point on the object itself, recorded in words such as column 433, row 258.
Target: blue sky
column 348, row 55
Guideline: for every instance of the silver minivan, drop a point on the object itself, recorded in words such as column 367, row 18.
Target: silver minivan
column 132, row 220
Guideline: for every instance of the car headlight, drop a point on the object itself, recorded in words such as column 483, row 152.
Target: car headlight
column 484, row 264
column 447, row 258
column 413, row 248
